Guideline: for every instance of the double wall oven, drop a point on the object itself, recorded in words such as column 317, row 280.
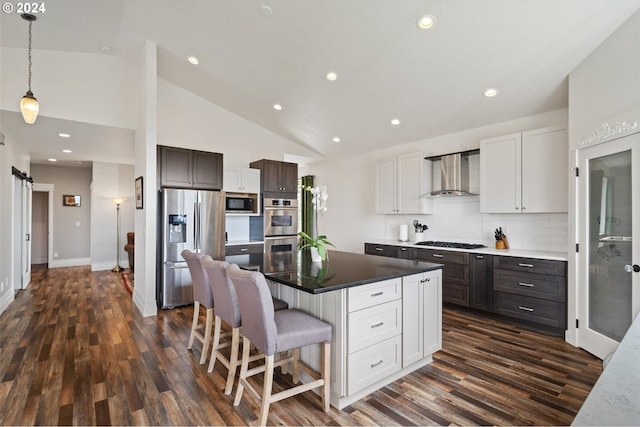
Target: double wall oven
column 280, row 235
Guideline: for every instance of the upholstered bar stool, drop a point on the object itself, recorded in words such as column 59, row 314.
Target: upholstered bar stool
column 277, row 332
column 228, row 311
column 202, row 296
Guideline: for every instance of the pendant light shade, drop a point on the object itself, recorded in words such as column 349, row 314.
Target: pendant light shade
column 29, row 104
column 29, row 107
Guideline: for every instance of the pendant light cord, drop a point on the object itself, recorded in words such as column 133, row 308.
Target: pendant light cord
column 30, row 24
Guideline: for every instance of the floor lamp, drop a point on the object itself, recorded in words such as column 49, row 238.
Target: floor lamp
column 117, row 268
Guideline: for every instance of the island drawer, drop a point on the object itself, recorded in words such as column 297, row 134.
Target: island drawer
column 374, row 324
column 244, row 249
column 368, row 366
column 544, row 312
column 530, row 284
column 364, row 296
column 531, row 265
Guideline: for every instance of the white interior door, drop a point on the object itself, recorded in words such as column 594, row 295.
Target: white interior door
column 609, row 257
column 27, row 203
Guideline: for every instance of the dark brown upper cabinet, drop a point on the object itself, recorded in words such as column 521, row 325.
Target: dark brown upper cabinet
column 184, row 168
column 278, row 179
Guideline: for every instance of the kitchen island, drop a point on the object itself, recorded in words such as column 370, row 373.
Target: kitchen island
column 386, row 313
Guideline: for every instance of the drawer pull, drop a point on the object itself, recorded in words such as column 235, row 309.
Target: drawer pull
column 379, row 249
column 403, row 249
column 438, row 256
column 377, row 325
column 377, row 294
column 427, row 280
column 523, row 308
column 378, row 363
column 479, row 257
column 525, row 265
column 244, row 249
column 528, row 285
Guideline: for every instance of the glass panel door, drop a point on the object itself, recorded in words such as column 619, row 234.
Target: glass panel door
column 608, row 296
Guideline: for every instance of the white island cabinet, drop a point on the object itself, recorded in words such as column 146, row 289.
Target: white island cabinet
column 374, row 325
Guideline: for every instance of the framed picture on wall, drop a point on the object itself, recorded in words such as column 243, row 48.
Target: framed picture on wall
column 138, row 192
column 70, row 200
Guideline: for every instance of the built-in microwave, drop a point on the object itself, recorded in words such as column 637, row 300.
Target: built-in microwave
column 242, row 203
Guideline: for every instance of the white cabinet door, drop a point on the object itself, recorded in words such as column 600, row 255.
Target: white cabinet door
column 400, row 181
column 525, row 172
column 241, row 180
column 421, row 316
column 500, row 176
column 386, row 186
column 545, row 156
column 412, row 320
column 410, row 183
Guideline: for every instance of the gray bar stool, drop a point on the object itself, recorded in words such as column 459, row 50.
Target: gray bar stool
column 202, row 296
column 228, row 311
column 277, row 332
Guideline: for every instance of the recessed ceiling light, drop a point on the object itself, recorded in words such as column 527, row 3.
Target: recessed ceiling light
column 331, row 76
column 52, row 160
column 395, row 122
column 335, row 139
column 491, row 92
column 67, row 151
column 64, row 135
column 193, row 60
column 426, row 22
column 266, row 10
column 277, row 107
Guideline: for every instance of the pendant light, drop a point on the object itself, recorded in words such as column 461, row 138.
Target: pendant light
column 29, row 104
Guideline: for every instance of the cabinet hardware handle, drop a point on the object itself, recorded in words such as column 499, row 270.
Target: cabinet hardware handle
column 403, row 249
column 525, row 265
column 378, row 363
column 379, row 249
column 438, row 256
column 428, row 279
column 244, row 249
column 377, row 325
column 479, row 257
column 523, row 308
column 377, row 294
column 528, row 285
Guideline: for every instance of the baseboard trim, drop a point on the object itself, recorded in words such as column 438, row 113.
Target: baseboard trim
column 69, row 262
column 6, row 299
column 147, row 309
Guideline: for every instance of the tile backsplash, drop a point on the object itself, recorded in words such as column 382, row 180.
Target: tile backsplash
column 459, row 219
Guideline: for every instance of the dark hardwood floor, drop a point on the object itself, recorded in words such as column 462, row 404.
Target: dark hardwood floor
column 74, row 350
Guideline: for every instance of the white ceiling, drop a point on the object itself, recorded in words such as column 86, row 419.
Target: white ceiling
column 432, row 80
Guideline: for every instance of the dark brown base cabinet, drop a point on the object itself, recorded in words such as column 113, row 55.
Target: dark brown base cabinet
column 455, row 274
column 481, row 282
column 531, row 290
column 183, row 168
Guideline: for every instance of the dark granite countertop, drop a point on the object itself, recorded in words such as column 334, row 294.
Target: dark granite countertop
column 341, row 270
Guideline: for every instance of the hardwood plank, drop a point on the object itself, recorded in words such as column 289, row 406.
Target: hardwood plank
column 75, row 350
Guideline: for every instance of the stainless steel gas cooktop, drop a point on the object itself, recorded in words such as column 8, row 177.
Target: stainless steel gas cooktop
column 453, row 245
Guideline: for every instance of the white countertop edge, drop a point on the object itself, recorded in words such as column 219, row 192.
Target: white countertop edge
column 526, row 253
column 615, row 398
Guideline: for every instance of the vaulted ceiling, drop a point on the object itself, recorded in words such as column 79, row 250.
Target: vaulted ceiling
column 254, row 54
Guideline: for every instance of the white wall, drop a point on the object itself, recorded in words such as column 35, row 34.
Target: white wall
column 186, row 120
column 351, row 221
column 110, row 181
column 92, row 88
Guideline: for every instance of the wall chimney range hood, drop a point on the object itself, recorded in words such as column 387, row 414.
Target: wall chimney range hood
column 454, row 170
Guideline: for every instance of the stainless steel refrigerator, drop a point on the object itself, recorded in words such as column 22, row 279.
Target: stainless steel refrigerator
column 194, row 220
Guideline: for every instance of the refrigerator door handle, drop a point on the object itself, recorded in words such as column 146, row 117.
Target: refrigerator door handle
column 195, row 227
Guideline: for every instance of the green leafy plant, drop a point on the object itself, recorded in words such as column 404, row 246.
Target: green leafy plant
column 319, row 242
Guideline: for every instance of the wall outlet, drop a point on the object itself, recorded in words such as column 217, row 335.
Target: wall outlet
column 55, row 254
column 2, row 287
column 77, row 223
